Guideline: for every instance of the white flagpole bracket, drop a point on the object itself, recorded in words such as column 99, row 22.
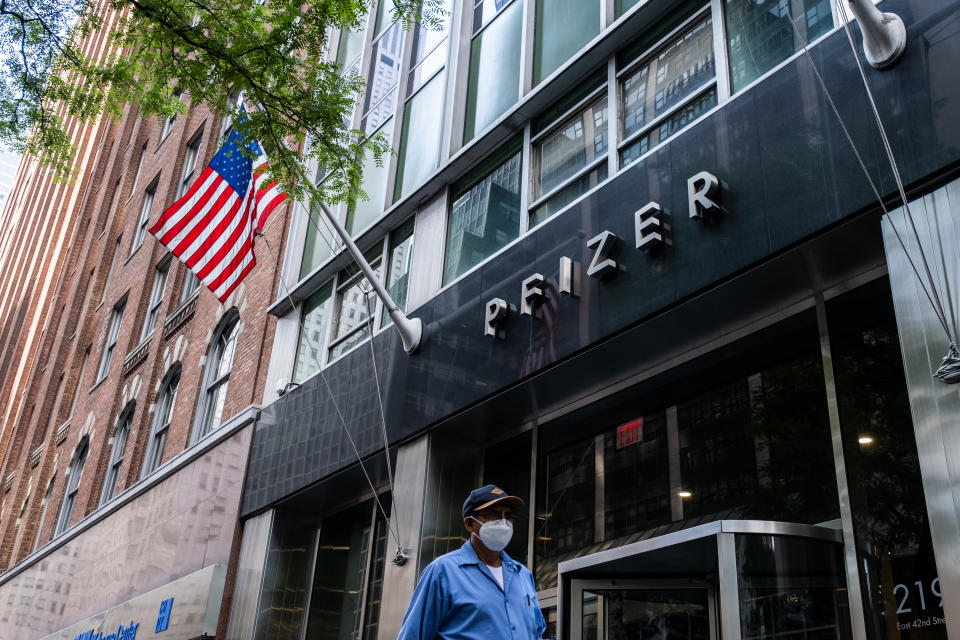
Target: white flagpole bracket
column 884, row 34
column 411, row 329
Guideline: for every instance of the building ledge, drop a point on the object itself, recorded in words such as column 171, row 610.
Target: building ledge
column 62, row 433
column 181, row 314
column 135, row 357
column 35, row 456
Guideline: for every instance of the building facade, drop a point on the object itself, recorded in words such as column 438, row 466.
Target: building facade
column 129, row 412
column 654, row 246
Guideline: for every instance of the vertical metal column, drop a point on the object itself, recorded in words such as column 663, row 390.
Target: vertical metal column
column 857, row 622
column 729, row 587
column 673, row 464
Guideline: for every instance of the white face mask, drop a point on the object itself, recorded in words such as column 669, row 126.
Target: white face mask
column 496, row 534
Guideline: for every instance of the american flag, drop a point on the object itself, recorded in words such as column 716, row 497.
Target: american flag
column 212, row 227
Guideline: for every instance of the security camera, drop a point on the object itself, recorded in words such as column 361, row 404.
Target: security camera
column 284, row 385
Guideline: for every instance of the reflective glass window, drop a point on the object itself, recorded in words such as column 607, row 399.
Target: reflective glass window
column 484, row 217
column 365, row 211
column 398, row 266
column 668, row 90
column 141, row 231
column 216, row 375
column 898, row 571
column 429, row 51
column 762, row 35
column 73, row 485
column 380, row 97
column 318, row 244
column 494, row 80
column 116, row 455
column 156, row 299
column 420, row 141
column 113, row 334
column 563, row 28
column 163, row 412
column 313, row 331
column 577, row 148
column 354, row 307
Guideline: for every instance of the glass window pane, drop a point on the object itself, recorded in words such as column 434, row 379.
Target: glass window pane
column 669, row 127
column 623, row 5
column 398, row 267
column 577, row 143
column 354, row 305
column 427, row 39
column 420, row 141
column 384, row 67
column 494, row 82
column 486, row 10
column 318, row 245
column 365, row 211
column 316, row 315
column 483, row 219
column 563, row 28
column 760, row 35
column 669, row 78
column 568, row 194
column 350, row 47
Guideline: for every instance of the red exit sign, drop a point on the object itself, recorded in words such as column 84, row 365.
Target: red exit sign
column 630, row 433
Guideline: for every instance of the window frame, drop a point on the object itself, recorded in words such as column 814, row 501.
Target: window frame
column 118, row 446
column 156, row 298
column 149, row 195
column 343, row 284
column 113, row 336
column 77, row 462
column 170, row 122
column 216, row 384
column 704, row 13
column 189, row 167
column 163, row 409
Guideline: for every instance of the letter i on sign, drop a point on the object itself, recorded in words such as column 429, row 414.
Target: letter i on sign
column 163, row 618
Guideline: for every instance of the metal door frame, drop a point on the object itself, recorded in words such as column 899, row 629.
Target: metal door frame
column 578, row 586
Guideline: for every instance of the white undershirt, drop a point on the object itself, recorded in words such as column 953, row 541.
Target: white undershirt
column 497, row 573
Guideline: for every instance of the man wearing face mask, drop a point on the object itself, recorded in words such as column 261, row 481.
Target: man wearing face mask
column 477, row 592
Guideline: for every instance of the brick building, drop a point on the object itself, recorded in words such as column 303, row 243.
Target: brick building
column 129, row 391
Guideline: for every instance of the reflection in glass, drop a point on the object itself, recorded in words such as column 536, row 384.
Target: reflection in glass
column 420, row 140
column 398, row 267
column 568, row 194
column 760, row 35
column 353, row 309
column 646, row 614
column 577, row 143
column 484, row 217
column 668, row 127
column 316, row 315
column 791, row 588
column 384, row 72
column 563, row 28
column 365, row 211
column 318, row 245
column 897, row 567
column 494, row 81
column 507, row 465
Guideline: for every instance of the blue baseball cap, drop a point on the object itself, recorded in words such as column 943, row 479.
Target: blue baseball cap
column 487, row 496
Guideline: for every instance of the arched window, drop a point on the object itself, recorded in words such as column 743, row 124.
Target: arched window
column 216, row 376
column 73, row 484
column 116, row 453
column 161, row 421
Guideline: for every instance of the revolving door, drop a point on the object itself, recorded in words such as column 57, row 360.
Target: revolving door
column 727, row 579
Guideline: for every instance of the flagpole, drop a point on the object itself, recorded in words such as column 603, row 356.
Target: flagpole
column 411, row 329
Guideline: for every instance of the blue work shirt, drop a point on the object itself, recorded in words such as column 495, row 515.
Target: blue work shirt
column 457, row 598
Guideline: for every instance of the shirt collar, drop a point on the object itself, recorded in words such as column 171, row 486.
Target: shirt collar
column 469, row 556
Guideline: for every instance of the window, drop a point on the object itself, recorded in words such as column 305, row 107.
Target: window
column 116, row 454
column 668, row 88
column 111, row 343
column 570, row 158
column 313, row 330
column 233, row 102
column 190, row 284
column 143, row 154
column 113, row 264
column 494, row 81
column 563, row 28
column 161, row 422
column 141, row 231
column 189, row 163
column 168, row 125
column 760, row 36
column 73, row 484
column 353, row 307
column 318, row 245
column 398, row 266
column 156, row 299
column 43, row 510
column 485, row 215
column 217, row 375
column 364, row 211
column 420, row 140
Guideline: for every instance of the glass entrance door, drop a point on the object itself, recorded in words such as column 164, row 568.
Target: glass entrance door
column 644, row 611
